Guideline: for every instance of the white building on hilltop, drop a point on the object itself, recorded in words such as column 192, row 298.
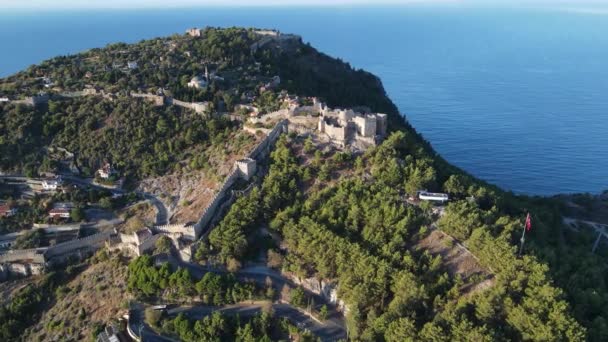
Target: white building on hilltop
column 194, row 32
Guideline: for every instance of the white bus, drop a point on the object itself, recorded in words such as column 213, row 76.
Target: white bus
column 433, row 196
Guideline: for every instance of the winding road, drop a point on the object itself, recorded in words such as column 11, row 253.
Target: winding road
column 327, row 331
column 332, row 329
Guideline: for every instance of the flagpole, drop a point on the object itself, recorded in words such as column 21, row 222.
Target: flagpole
column 523, row 235
column 523, row 238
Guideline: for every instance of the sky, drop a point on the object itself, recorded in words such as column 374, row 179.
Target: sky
column 82, row 4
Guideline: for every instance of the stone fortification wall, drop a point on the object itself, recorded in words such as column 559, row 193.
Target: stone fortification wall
column 366, row 125
column 158, row 100
column 25, row 269
column 147, row 244
column 199, row 107
column 301, row 129
column 30, row 255
column 382, row 124
column 211, row 209
column 93, row 241
column 257, row 153
column 336, row 133
column 73, row 93
column 57, row 229
column 32, row 261
column 270, row 139
column 128, row 238
column 185, row 231
column 33, row 100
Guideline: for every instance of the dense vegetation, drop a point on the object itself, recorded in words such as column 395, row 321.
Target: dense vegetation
column 262, row 327
column 139, row 139
column 147, row 280
column 395, row 292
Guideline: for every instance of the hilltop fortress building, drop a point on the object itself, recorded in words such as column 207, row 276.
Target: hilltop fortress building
column 347, row 127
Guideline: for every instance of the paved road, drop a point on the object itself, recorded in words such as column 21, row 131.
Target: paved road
column 139, row 328
column 327, row 331
column 332, row 329
column 162, row 214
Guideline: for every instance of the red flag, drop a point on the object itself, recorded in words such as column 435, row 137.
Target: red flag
column 528, row 223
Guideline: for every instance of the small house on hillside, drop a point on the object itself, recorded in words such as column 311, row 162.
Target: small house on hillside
column 60, row 212
column 106, row 171
column 7, row 210
column 51, row 184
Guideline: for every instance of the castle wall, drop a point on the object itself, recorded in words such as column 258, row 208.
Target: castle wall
column 259, row 152
column 31, row 255
column 382, row 124
column 93, row 241
column 209, row 212
column 3, row 273
column 246, row 167
column 366, row 125
column 185, row 231
column 336, row 133
column 158, row 100
column 148, row 244
column 199, row 107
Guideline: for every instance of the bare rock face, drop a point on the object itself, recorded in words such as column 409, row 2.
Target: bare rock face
column 184, row 195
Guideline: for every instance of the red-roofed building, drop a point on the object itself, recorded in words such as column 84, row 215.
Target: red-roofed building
column 59, row 212
column 6, row 210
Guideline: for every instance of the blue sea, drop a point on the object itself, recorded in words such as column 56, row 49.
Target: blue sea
column 517, row 97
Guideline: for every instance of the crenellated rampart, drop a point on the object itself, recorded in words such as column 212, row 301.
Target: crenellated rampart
column 259, row 152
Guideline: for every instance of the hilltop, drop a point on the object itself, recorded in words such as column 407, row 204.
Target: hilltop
column 332, row 209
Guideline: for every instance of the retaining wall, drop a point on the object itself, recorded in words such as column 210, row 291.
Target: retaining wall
column 92, row 241
column 31, row 255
